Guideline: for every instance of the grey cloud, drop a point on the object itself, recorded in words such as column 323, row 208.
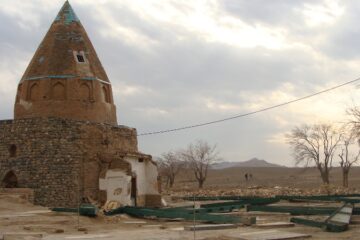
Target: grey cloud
column 180, row 73
column 342, row 41
column 275, row 12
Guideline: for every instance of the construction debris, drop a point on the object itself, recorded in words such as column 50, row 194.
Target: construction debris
column 220, row 212
column 350, row 198
column 181, row 213
column 298, row 210
column 85, row 209
column 338, row 222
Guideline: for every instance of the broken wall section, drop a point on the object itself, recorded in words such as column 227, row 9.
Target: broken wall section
column 63, row 160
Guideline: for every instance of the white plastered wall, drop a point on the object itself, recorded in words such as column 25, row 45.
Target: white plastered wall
column 117, row 185
column 146, row 175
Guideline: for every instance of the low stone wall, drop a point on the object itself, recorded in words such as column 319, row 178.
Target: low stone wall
column 24, row 193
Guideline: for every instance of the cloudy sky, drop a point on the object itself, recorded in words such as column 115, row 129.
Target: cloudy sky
column 175, row 63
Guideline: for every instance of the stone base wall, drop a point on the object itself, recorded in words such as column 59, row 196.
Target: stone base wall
column 24, row 193
column 60, row 159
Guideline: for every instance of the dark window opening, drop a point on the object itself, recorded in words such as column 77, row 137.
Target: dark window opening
column 141, row 160
column 80, row 58
column 133, row 190
column 12, row 150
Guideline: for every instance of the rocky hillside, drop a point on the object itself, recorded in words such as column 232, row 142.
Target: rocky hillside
column 254, row 162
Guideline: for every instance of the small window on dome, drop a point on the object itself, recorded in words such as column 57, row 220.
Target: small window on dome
column 80, row 58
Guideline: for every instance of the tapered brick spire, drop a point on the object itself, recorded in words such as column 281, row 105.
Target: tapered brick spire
column 65, row 78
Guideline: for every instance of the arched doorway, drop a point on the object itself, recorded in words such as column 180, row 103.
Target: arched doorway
column 10, row 180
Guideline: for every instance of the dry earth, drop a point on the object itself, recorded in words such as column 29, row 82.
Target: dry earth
column 19, row 216
column 269, row 177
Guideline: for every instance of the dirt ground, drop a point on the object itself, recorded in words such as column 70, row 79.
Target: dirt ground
column 303, row 178
column 18, row 216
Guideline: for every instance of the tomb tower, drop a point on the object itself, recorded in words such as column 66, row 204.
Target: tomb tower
column 65, row 77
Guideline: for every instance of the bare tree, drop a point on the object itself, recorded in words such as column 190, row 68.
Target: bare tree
column 347, row 159
column 354, row 113
column 315, row 144
column 200, row 155
column 170, row 164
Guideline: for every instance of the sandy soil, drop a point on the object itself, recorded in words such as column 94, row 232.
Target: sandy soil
column 18, row 216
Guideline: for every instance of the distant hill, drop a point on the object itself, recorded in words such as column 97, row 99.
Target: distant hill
column 254, row 162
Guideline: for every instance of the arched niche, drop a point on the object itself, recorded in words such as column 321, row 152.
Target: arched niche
column 84, row 92
column 34, row 92
column 105, row 94
column 58, row 91
column 12, row 150
column 10, row 180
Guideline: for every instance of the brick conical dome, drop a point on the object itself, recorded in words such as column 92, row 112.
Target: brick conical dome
column 65, row 77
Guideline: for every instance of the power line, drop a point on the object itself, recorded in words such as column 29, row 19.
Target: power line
column 249, row 113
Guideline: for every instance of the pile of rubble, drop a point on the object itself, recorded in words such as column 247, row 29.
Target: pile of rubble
column 260, row 191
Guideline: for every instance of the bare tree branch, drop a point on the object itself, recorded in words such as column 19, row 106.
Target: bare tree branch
column 170, row 164
column 346, row 158
column 200, row 156
column 315, row 144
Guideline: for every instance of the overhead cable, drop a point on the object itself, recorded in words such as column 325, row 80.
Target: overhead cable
column 250, row 113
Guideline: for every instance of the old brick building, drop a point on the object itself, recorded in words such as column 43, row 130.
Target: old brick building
column 64, row 141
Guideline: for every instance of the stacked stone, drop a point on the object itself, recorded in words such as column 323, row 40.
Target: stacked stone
column 52, row 154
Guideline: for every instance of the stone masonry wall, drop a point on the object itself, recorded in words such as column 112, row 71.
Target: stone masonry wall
column 104, row 147
column 53, row 154
column 46, row 158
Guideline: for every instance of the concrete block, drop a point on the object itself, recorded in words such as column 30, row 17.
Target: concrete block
column 134, row 222
column 268, row 235
column 275, row 225
column 203, row 227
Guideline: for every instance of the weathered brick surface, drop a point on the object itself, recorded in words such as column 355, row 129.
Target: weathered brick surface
column 65, row 128
column 61, row 159
column 56, row 84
